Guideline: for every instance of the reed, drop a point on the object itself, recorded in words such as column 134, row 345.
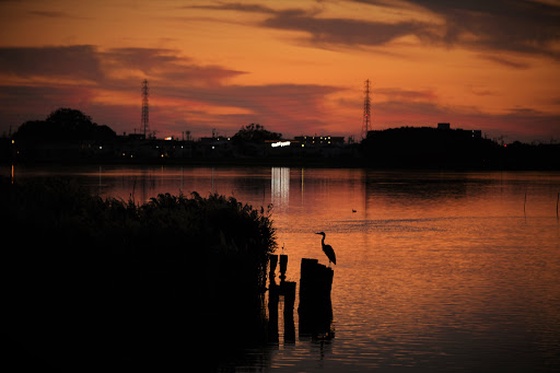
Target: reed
column 173, row 267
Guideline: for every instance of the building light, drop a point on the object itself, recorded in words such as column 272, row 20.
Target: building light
column 280, row 144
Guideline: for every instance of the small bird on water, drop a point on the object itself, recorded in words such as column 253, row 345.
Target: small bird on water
column 327, row 249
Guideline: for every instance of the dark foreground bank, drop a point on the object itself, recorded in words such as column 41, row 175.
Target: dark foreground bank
column 93, row 282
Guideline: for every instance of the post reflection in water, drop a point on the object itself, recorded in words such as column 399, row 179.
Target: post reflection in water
column 436, row 271
column 280, row 295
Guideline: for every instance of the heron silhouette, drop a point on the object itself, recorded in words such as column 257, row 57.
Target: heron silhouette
column 327, row 249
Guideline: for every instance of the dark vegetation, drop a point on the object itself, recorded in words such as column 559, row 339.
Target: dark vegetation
column 433, row 148
column 95, row 281
column 67, row 135
column 63, row 125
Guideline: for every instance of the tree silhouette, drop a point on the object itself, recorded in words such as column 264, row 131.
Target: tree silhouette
column 63, row 125
column 250, row 140
column 255, row 133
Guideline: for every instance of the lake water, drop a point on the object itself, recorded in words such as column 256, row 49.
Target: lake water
column 436, row 271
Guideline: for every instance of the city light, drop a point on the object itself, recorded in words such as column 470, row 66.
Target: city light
column 280, row 144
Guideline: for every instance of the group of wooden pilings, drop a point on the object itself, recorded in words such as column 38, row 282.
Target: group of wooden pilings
column 315, row 306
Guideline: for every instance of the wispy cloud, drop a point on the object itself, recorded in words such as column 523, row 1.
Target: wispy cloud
column 54, row 14
column 406, row 94
column 183, row 88
column 520, row 26
column 505, row 61
column 167, row 65
column 528, row 27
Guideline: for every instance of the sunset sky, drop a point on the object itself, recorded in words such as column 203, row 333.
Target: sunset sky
column 295, row 67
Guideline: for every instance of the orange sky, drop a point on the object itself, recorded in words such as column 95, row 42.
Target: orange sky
column 295, row 67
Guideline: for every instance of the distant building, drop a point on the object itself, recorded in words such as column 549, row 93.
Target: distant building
column 320, row 140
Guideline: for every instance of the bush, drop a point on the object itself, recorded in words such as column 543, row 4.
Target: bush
column 82, row 267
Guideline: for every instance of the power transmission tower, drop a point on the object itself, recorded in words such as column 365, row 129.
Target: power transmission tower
column 145, row 108
column 367, row 111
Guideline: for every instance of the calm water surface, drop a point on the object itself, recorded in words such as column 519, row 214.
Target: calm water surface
column 437, row 271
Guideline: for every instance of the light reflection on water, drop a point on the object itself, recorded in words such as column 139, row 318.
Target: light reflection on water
column 436, row 271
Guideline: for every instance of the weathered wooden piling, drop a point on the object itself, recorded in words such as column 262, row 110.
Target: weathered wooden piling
column 283, row 266
column 315, row 307
column 289, row 301
column 286, row 289
column 273, row 262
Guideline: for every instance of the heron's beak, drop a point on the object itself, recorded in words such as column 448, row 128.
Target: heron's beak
column 317, row 233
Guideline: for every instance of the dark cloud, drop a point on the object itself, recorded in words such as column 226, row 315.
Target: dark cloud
column 191, row 88
column 513, row 25
column 54, row 14
column 79, row 61
column 329, row 31
column 406, row 94
column 144, row 58
column 284, row 108
column 48, row 14
column 508, row 62
column 342, row 31
column 167, row 65
column 520, row 26
column 87, row 62
column 251, row 8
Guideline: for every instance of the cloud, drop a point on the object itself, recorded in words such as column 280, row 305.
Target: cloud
column 22, row 103
column 340, row 31
column 167, row 65
column 527, row 27
column 55, row 14
column 406, row 94
column 181, row 91
column 250, row 8
column 285, row 108
column 518, row 123
column 328, row 31
column 507, row 62
column 518, row 26
column 188, row 95
column 79, row 62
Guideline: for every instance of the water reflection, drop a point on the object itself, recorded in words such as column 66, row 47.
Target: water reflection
column 280, row 187
column 281, row 296
column 435, row 271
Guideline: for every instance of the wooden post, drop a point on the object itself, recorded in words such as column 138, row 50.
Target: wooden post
column 273, row 259
column 273, row 298
column 315, row 307
column 289, row 301
column 283, row 266
column 287, row 289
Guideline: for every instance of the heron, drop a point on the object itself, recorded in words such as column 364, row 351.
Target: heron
column 327, row 249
